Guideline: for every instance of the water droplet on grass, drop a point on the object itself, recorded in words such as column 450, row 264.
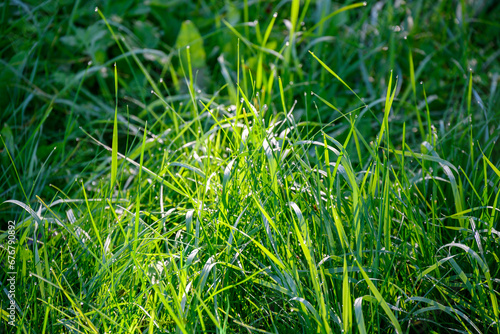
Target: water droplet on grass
column 96, row 9
column 275, row 14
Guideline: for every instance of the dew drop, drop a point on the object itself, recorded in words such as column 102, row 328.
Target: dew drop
column 287, row 43
column 275, row 14
column 187, row 47
column 312, row 93
column 96, row 9
column 161, row 80
column 406, row 37
column 89, row 63
column 364, row 3
column 421, row 82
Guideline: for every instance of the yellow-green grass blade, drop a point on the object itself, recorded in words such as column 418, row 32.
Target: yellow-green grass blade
column 114, row 147
column 138, row 198
column 380, row 300
column 346, row 300
column 338, row 11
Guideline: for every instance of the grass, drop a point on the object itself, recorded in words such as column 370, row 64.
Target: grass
column 251, row 166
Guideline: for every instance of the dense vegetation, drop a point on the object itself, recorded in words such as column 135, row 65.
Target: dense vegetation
column 250, row 166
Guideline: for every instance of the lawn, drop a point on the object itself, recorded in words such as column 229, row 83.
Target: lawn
column 254, row 166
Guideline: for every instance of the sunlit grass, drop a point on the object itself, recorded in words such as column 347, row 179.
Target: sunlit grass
column 262, row 189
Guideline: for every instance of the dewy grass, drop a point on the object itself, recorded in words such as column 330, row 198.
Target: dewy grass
column 258, row 187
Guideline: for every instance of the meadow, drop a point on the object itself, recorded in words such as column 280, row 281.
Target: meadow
column 249, row 166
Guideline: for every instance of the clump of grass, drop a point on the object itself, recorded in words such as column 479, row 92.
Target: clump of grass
column 228, row 200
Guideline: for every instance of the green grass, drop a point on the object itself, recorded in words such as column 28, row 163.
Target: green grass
column 212, row 166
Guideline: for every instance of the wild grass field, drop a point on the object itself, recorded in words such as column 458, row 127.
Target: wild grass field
column 249, row 166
